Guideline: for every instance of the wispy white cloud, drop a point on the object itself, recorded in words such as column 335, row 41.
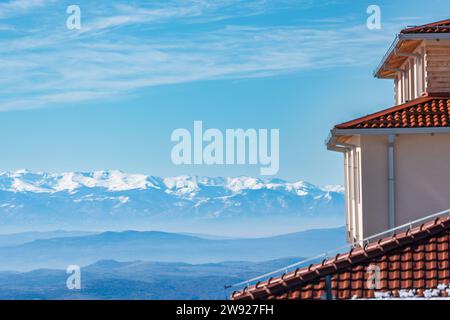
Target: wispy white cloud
column 200, row 11
column 18, row 7
column 65, row 67
column 129, row 14
column 7, row 27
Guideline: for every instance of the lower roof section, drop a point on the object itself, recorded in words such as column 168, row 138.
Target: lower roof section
column 425, row 112
column 417, row 260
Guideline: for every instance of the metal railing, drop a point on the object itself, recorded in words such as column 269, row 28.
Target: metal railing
column 329, row 254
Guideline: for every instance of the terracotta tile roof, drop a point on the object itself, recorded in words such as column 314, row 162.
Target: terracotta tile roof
column 435, row 27
column 423, row 112
column 416, row 259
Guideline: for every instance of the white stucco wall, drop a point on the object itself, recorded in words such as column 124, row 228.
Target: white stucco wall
column 353, row 207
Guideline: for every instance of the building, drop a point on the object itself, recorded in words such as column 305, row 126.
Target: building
column 397, row 173
column 397, row 161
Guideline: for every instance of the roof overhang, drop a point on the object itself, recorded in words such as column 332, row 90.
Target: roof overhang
column 403, row 43
column 387, row 131
column 337, row 140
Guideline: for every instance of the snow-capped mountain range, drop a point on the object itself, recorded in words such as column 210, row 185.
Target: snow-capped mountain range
column 113, row 196
column 114, row 180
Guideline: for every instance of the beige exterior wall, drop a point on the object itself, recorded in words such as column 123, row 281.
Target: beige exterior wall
column 366, row 187
column 422, row 171
column 374, row 184
column 422, row 181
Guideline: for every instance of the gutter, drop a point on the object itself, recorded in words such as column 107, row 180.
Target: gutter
column 333, row 145
column 386, row 56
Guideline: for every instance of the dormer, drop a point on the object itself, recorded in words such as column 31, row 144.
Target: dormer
column 419, row 62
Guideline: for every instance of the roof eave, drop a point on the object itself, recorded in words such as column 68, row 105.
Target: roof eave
column 350, row 124
column 386, row 56
column 406, row 36
column 388, row 131
column 333, row 144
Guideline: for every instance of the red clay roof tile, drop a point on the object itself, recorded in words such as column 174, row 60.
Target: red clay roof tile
column 416, row 259
column 435, row 27
column 427, row 111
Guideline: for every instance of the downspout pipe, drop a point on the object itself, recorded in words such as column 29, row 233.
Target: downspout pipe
column 391, row 181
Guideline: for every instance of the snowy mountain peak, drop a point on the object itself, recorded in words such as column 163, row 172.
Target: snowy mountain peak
column 104, row 198
column 116, row 181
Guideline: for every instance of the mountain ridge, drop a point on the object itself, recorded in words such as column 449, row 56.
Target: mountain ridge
column 115, row 180
column 112, row 200
column 118, row 280
column 163, row 247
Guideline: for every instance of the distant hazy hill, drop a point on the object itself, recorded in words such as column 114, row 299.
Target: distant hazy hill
column 163, row 247
column 24, row 237
column 110, row 200
column 136, row 280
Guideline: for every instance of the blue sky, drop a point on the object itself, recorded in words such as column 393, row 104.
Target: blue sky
column 109, row 95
